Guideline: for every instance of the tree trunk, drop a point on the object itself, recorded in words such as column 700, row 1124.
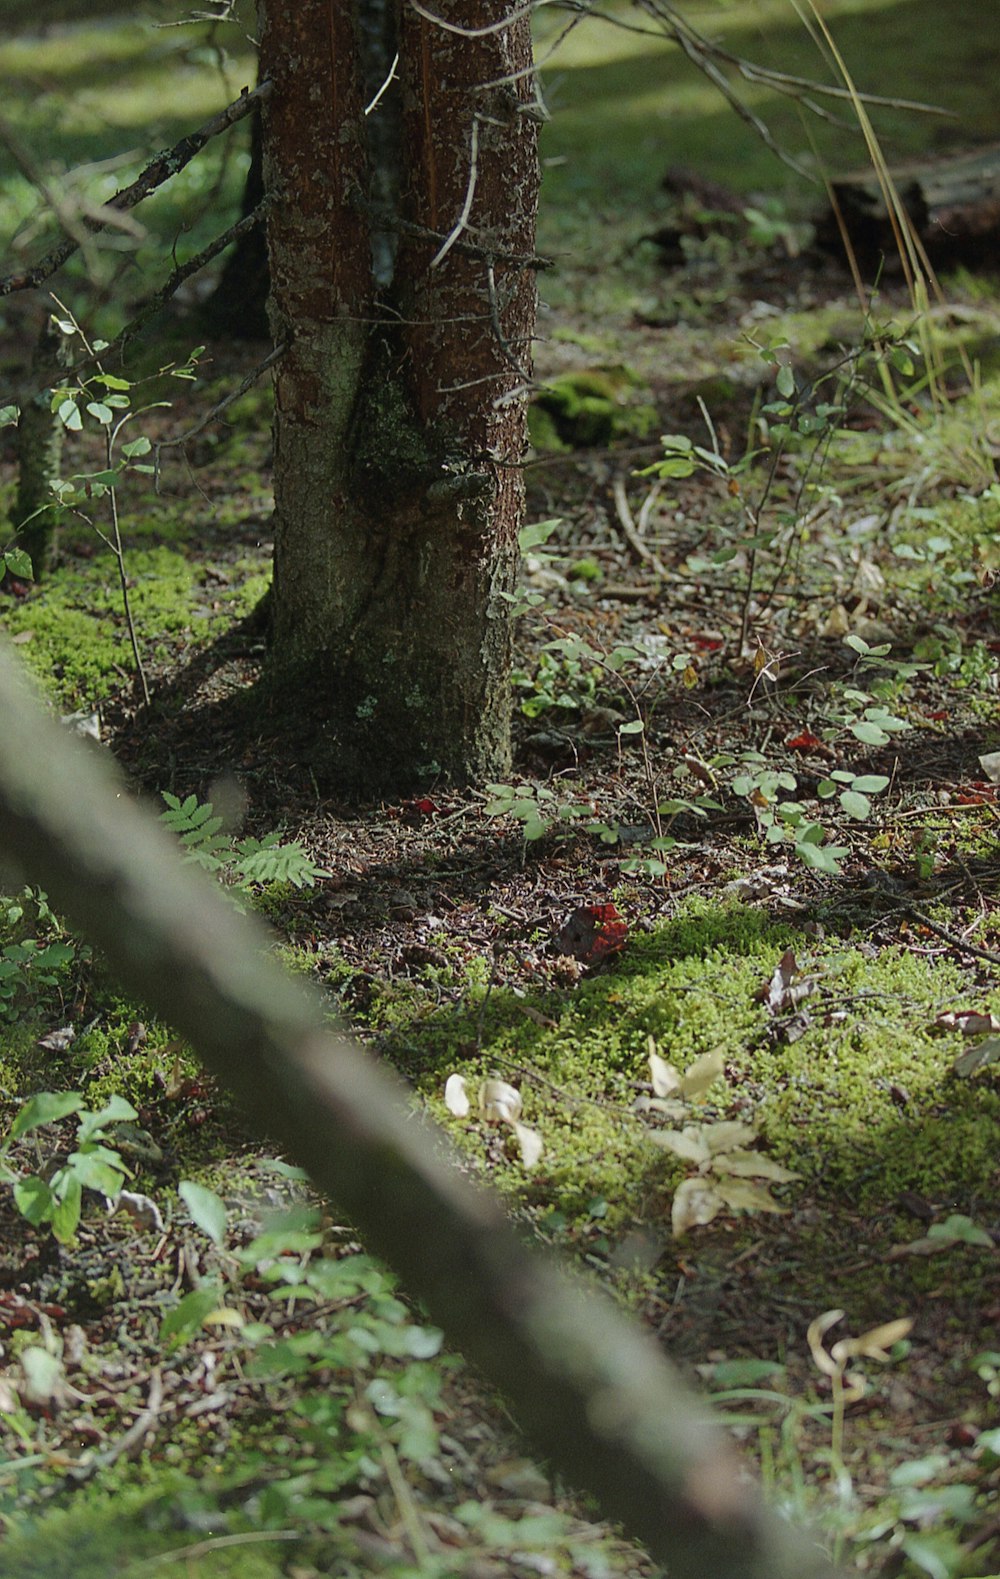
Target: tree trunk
column 399, row 427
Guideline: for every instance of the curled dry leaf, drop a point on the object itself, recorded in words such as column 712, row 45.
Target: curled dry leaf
column 696, row 1203
column 783, row 992
column 456, row 1096
column 971, row 1022
column 499, row 1103
column 529, row 1144
column 990, row 764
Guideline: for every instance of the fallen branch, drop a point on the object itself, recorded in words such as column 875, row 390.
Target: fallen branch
column 587, row 1384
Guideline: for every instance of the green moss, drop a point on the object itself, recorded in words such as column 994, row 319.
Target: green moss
column 592, row 407
column 104, row 1534
column 861, row 1102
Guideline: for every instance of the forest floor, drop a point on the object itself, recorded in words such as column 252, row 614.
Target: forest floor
column 748, row 835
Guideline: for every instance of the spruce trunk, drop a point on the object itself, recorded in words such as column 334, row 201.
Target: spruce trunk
column 401, row 264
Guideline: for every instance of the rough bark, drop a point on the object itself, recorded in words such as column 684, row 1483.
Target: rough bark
column 399, row 423
column 589, row 1386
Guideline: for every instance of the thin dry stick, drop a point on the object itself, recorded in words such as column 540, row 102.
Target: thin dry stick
column 505, row 350
column 210, row 416
column 631, row 531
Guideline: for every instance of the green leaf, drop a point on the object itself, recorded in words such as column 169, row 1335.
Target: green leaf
column 870, row 734
column 8, row 415
column 207, row 1210
column 140, row 446
column 69, row 415
column 538, row 532
column 100, row 412
column 186, row 1319
column 115, row 1111
column 18, row 563
column 785, row 381
column 46, row 1107
column 855, row 805
column 34, row 1200
column 636, row 727
column 96, row 1171
column 67, row 1189
column 111, row 381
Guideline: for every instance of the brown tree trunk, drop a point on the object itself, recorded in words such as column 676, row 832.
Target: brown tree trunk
column 400, row 404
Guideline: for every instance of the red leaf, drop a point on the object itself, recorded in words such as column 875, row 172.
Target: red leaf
column 592, row 933
column 804, row 741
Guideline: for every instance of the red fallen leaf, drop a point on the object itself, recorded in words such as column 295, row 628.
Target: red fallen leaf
column 706, row 643
column 15, row 586
column 939, row 715
column 975, row 793
column 592, row 933
column 412, row 811
column 804, row 741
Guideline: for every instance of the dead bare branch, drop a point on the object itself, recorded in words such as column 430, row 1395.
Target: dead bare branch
column 158, row 171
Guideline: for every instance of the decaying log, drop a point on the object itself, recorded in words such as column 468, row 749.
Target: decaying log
column 588, row 1384
column 953, row 205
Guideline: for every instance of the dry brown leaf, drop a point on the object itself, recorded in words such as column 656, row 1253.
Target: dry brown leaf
column 499, row 1103
column 456, row 1096
column 971, row 1022
column 696, row 1203
column 702, row 1074
column 746, row 1195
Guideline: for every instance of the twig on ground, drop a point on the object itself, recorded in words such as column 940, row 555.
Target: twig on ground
column 633, row 531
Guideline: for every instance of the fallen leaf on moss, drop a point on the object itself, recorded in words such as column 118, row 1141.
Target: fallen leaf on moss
column 696, row 1203
column 592, row 933
column 499, row 1103
column 971, row 1022
column 456, row 1096
column 978, row 1057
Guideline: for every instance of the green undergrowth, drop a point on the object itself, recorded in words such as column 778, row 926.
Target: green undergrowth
column 854, row 1090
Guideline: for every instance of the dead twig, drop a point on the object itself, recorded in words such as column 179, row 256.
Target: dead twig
column 159, row 170
column 631, row 529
